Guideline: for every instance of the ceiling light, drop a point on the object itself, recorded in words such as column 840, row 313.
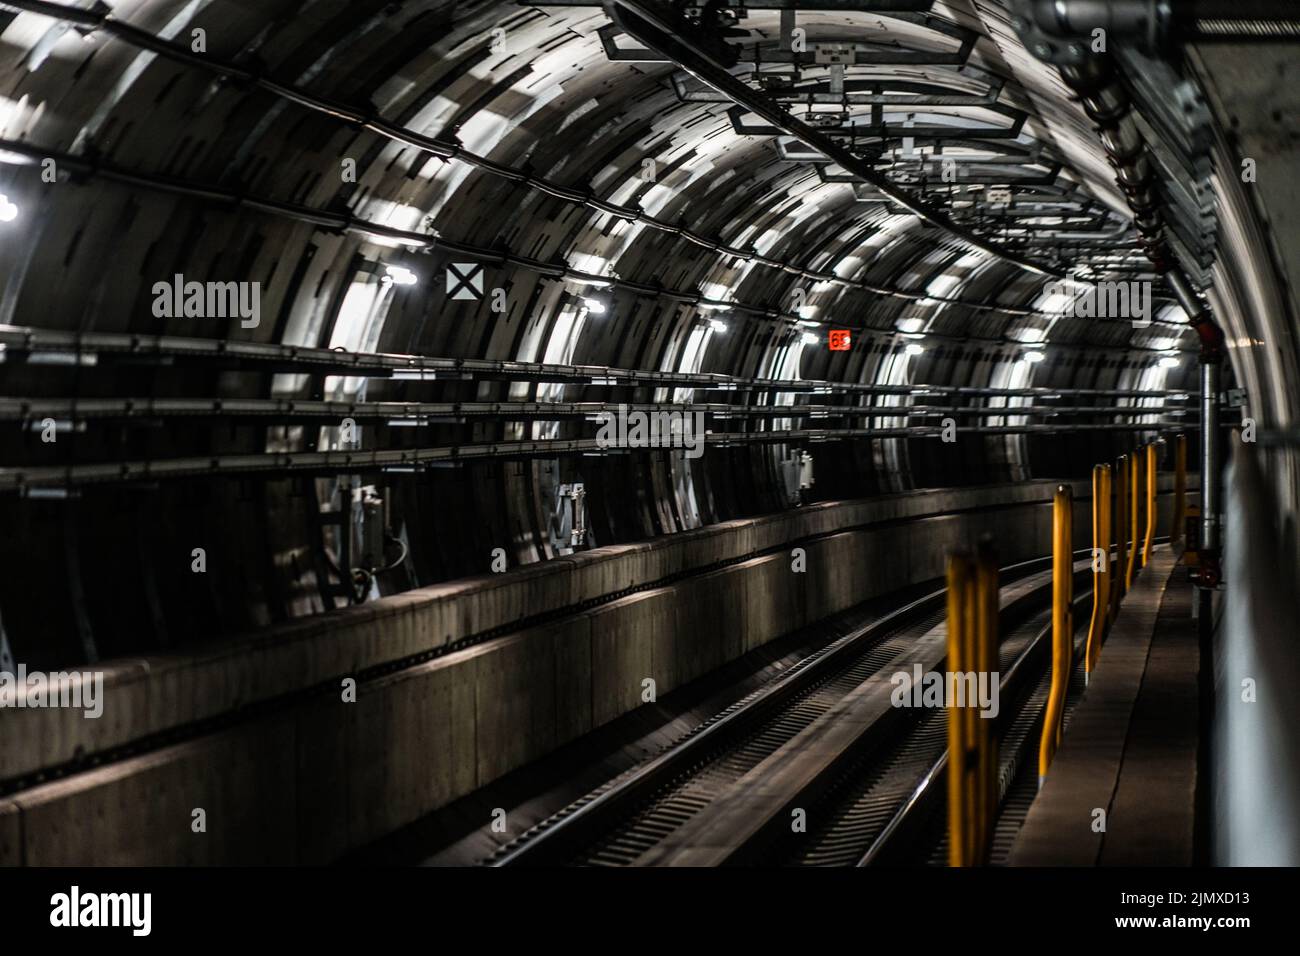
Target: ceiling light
column 914, row 349
column 1169, row 361
column 714, row 306
column 717, row 326
column 1033, row 357
column 594, row 306
column 8, row 211
column 809, row 339
column 910, row 325
column 399, row 276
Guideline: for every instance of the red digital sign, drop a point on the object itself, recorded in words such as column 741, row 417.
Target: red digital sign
column 839, row 340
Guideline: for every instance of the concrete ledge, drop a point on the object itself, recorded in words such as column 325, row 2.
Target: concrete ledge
column 1130, row 746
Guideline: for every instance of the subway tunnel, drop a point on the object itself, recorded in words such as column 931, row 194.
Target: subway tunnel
column 505, row 434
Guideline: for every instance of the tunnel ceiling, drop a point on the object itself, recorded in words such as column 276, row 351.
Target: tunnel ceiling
column 644, row 236
column 552, row 115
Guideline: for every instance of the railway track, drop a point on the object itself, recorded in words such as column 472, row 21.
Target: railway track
column 823, row 740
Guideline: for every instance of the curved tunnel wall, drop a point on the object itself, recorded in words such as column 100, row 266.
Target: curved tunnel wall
column 113, row 573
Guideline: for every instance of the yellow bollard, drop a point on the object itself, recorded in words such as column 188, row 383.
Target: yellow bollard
column 961, row 576
column 1176, row 535
column 1152, row 475
column 1100, row 565
column 1134, row 498
column 1062, row 627
column 1120, row 580
column 972, row 745
column 986, row 597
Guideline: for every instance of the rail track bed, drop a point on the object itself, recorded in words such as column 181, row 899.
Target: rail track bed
column 818, row 766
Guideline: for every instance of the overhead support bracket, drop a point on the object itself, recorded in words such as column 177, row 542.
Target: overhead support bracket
column 660, row 29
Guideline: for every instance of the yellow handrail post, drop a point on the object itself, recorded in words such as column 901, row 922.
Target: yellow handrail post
column 1152, row 462
column 961, row 575
column 1100, row 565
column 1120, row 587
column 1134, row 497
column 986, row 597
column 1062, row 626
column 1176, row 533
column 972, row 746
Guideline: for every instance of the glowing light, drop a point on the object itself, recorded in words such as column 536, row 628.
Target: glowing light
column 8, row 211
column 397, row 275
column 1169, row 361
column 808, row 338
column 588, row 280
column 594, row 306
column 1033, row 357
column 914, row 349
column 910, row 325
column 717, row 326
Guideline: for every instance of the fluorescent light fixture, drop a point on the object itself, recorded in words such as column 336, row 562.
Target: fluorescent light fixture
column 914, row 349
column 804, row 323
column 1033, row 357
column 8, row 211
column 717, row 326
column 595, row 306
column 589, row 280
column 399, row 276
column 910, row 325
column 1169, row 361
column 714, row 306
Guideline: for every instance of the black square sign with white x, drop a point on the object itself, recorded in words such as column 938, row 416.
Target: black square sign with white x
column 465, row 280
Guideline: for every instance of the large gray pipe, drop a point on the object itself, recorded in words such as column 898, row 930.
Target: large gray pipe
column 1211, row 443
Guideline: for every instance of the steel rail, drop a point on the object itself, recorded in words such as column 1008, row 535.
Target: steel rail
column 566, row 834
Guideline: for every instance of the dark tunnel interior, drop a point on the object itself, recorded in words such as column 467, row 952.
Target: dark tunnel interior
column 318, row 315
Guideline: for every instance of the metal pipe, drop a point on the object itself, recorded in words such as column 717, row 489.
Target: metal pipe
column 23, row 479
column 19, row 341
column 1178, row 533
column 1211, row 443
column 1078, row 17
column 1211, row 359
column 1156, row 21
